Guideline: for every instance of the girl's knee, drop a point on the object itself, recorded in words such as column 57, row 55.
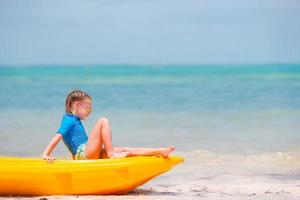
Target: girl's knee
column 103, row 120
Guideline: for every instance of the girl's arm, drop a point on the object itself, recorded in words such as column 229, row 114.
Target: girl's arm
column 51, row 146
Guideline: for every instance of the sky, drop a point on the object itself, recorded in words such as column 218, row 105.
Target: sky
column 143, row 32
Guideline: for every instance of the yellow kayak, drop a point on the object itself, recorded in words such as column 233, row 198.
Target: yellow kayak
column 33, row 176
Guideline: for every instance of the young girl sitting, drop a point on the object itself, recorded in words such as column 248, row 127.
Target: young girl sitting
column 99, row 143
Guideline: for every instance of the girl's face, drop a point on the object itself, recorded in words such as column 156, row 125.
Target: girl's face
column 84, row 108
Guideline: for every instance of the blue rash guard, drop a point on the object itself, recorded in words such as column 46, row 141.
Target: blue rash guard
column 73, row 132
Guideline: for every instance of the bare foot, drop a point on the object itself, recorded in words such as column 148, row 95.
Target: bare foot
column 166, row 151
column 120, row 155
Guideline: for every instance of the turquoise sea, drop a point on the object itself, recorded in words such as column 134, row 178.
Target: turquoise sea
column 219, row 108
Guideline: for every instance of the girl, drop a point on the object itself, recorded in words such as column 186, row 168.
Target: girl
column 99, row 144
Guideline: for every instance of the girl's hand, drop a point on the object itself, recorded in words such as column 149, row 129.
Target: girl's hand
column 49, row 159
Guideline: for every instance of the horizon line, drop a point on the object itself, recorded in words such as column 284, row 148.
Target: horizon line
column 151, row 65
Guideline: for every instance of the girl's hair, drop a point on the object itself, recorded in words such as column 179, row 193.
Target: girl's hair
column 75, row 95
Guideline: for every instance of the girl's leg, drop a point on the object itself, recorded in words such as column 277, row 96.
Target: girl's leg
column 146, row 151
column 101, row 136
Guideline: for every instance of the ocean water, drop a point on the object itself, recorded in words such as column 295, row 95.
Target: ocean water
column 236, row 126
column 227, row 109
